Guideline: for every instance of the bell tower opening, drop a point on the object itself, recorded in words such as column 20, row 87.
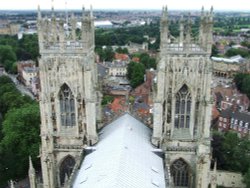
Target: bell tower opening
column 67, row 106
column 182, row 108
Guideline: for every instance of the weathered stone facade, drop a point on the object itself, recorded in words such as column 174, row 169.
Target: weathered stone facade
column 182, row 102
column 69, row 101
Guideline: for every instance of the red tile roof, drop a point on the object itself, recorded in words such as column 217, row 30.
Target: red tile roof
column 123, row 57
column 119, row 104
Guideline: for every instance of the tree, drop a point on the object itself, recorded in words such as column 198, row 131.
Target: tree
column 4, row 80
column 105, row 54
column 25, row 48
column 246, row 44
column 214, row 50
column 107, row 99
column 10, row 97
column 28, row 48
column 238, row 79
column 218, row 154
column 121, row 50
column 232, row 52
column 135, row 74
column 242, row 83
column 21, row 140
column 231, row 152
column 246, row 85
column 7, row 57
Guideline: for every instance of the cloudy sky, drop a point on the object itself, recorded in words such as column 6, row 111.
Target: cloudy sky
column 127, row 4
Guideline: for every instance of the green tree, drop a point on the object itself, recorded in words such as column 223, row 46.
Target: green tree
column 242, row 83
column 7, row 57
column 238, row 79
column 135, row 74
column 121, row 50
column 246, row 85
column 232, row 52
column 4, row 80
column 231, row 152
column 21, row 140
column 246, row 44
column 218, row 154
column 105, row 54
column 107, row 99
column 28, row 48
column 214, row 51
column 10, row 97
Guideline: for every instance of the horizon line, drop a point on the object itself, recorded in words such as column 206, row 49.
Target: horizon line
column 127, row 9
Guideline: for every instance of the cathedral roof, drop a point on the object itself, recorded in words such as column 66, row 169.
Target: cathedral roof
column 124, row 157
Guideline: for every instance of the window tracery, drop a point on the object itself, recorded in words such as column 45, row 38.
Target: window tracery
column 180, row 173
column 67, row 106
column 183, row 108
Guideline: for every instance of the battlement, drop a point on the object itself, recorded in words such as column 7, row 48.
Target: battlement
column 186, row 43
column 184, row 49
column 65, row 35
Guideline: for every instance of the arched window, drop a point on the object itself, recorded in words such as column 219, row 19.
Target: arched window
column 67, row 106
column 84, row 108
column 183, row 108
column 180, row 173
column 164, row 115
column 66, row 168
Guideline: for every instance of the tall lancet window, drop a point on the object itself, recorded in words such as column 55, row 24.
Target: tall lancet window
column 180, row 173
column 67, row 106
column 182, row 108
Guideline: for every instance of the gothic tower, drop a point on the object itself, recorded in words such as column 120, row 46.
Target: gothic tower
column 182, row 102
column 68, row 97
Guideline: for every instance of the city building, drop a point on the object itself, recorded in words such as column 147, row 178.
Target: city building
column 116, row 68
column 134, row 47
column 235, row 121
column 29, row 74
column 228, row 67
column 9, row 28
column 228, row 97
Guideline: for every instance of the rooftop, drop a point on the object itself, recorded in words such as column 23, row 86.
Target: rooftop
column 234, row 59
column 124, row 157
column 241, row 116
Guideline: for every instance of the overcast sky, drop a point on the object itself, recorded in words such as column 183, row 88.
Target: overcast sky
column 127, row 4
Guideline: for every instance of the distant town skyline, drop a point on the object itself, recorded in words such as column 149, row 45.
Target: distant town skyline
column 127, row 4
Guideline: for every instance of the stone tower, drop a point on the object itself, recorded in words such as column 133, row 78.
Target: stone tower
column 182, row 101
column 68, row 98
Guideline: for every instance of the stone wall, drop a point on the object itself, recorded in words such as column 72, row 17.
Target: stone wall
column 227, row 179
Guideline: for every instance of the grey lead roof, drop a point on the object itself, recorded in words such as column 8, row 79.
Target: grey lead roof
column 123, row 158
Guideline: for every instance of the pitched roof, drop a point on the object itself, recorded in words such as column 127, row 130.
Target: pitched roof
column 241, row 116
column 123, row 157
column 121, row 56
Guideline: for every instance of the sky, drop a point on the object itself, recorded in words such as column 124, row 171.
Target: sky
column 127, row 4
